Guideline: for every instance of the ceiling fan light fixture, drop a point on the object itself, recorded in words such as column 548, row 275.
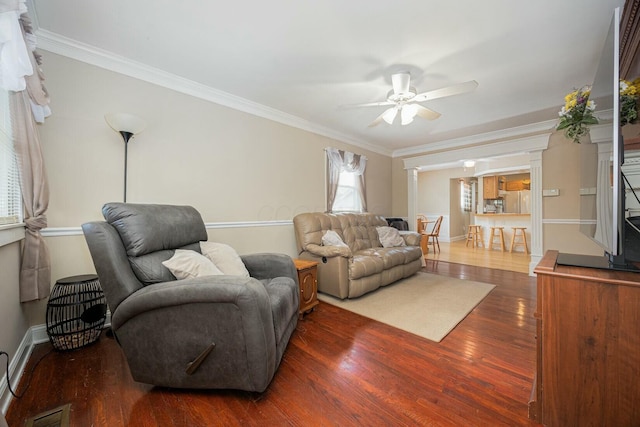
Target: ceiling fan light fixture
column 390, row 115
column 408, row 113
column 469, row 163
column 400, row 83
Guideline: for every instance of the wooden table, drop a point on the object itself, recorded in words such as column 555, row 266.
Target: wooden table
column 308, row 281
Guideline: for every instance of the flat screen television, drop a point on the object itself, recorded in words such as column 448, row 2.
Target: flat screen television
column 602, row 183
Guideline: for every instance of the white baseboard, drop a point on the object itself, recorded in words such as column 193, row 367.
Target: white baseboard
column 16, row 367
column 35, row 335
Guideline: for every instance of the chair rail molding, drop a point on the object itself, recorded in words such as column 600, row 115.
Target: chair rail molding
column 77, row 231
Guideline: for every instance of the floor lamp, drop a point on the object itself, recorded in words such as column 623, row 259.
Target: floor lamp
column 126, row 125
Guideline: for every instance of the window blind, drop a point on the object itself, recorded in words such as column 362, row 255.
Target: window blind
column 10, row 201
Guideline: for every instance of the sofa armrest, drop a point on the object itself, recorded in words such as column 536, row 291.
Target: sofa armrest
column 241, row 291
column 329, row 251
column 411, row 238
column 270, row 265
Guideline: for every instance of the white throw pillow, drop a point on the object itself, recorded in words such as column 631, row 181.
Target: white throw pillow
column 185, row 264
column 390, row 237
column 331, row 238
column 225, row 258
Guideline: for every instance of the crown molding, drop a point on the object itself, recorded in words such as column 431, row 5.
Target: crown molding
column 481, row 138
column 92, row 55
column 513, row 146
column 511, row 143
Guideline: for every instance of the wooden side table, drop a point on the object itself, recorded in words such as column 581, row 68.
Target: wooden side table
column 308, row 280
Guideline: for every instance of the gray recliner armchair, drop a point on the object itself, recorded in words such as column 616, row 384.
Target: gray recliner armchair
column 205, row 332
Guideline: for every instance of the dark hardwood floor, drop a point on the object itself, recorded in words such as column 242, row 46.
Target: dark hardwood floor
column 339, row 369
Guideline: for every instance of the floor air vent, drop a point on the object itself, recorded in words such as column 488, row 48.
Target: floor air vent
column 58, row 417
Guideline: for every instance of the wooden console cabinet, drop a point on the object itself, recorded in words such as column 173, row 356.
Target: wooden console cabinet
column 308, row 281
column 588, row 346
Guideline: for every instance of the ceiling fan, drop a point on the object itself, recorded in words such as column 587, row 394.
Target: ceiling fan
column 404, row 99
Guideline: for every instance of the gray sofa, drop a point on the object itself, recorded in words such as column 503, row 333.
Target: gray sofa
column 205, row 332
column 363, row 266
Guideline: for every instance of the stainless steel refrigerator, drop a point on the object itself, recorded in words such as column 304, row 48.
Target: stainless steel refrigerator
column 517, row 201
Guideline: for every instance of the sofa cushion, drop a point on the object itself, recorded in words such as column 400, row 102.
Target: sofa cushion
column 149, row 269
column 390, row 237
column 331, row 238
column 189, row 264
column 359, row 230
column 139, row 225
column 225, row 258
column 365, row 263
column 391, row 257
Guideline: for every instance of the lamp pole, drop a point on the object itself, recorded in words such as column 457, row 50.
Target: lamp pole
column 126, row 136
column 126, row 125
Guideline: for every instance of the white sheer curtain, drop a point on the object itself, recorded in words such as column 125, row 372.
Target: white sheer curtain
column 21, row 75
column 345, row 161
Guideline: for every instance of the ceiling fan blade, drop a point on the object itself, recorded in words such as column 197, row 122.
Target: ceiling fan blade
column 446, row 91
column 426, row 113
column 401, row 83
column 377, row 121
column 369, row 104
column 387, row 115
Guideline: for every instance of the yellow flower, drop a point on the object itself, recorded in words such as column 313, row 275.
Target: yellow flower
column 570, row 96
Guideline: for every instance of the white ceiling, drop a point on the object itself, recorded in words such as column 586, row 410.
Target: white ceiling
column 306, row 58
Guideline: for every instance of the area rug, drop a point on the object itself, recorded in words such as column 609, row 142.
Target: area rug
column 424, row 304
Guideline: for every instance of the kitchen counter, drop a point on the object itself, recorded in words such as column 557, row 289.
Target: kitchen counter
column 506, row 220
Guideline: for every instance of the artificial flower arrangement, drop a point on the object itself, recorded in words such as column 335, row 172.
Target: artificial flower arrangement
column 577, row 113
column 629, row 94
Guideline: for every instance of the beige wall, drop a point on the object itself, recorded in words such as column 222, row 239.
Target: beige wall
column 13, row 321
column 399, row 196
column 561, row 231
column 230, row 165
column 439, row 194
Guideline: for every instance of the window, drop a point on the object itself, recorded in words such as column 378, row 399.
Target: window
column 10, row 202
column 346, row 191
column 465, row 196
column 347, row 194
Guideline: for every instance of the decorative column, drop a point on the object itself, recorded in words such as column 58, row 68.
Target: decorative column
column 535, row 161
column 412, row 190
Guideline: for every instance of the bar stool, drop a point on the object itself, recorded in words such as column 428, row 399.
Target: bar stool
column 522, row 242
column 474, row 236
column 496, row 232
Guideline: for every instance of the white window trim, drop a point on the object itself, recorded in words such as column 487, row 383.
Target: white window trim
column 11, row 233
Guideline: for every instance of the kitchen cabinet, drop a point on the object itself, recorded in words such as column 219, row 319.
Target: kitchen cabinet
column 490, row 187
column 518, row 185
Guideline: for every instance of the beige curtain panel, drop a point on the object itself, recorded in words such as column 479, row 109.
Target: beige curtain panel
column 23, row 77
